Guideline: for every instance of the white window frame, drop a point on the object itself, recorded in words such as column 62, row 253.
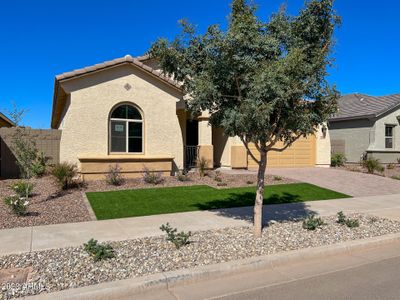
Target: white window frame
column 127, row 121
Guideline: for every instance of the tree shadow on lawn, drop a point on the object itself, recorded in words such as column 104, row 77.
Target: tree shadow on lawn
column 286, row 206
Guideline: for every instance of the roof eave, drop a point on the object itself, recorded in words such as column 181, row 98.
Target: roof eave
column 368, row 117
column 7, row 120
column 128, row 60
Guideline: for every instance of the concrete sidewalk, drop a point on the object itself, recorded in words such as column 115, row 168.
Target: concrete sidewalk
column 73, row 234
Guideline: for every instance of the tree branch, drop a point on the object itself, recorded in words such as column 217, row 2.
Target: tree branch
column 238, row 87
column 287, row 145
column 246, row 144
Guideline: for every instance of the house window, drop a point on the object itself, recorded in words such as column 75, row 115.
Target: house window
column 389, row 136
column 126, row 130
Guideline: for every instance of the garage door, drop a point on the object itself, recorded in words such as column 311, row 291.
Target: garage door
column 300, row 154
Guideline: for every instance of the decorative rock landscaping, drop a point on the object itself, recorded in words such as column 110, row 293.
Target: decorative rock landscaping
column 65, row 268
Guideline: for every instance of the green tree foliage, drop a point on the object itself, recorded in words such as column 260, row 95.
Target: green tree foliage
column 262, row 81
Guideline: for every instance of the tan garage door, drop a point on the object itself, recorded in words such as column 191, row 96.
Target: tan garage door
column 300, row 154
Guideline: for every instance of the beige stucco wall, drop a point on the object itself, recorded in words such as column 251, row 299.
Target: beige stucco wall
column 323, row 147
column 85, row 121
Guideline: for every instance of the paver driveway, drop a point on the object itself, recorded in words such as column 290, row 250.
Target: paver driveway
column 347, row 182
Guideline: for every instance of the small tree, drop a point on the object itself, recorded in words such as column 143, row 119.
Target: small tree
column 263, row 82
column 23, row 146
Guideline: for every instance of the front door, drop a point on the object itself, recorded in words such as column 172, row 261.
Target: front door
column 192, row 142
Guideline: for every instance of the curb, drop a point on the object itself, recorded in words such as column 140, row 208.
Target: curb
column 128, row 287
column 92, row 215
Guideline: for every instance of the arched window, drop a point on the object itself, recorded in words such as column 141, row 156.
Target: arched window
column 126, row 130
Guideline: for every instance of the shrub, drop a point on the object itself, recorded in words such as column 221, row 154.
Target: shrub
column 98, row 251
column 202, row 164
column 397, row 177
column 352, row 223
column 372, row 165
column 178, row 239
column 390, row 166
column 217, row 176
column 152, row 177
column 343, row 220
column 39, row 165
column 341, row 217
column 18, row 205
column 181, row 176
column 22, row 188
column 277, row 178
column 338, row 160
column 312, row 223
column 64, row 173
column 38, row 170
column 114, row 176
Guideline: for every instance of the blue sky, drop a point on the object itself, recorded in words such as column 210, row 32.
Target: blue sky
column 39, row 39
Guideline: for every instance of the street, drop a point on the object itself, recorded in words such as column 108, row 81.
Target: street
column 380, row 280
column 361, row 275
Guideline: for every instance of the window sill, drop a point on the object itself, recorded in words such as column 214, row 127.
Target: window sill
column 124, row 157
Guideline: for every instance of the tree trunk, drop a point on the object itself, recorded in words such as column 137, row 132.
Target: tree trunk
column 258, row 206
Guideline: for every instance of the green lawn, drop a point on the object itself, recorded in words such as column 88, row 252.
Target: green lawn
column 144, row 202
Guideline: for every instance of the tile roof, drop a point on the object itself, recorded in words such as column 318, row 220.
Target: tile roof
column 357, row 106
column 111, row 63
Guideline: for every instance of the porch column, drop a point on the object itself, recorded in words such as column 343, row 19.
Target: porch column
column 206, row 149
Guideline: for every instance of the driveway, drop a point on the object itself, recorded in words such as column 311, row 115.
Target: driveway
column 351, row 183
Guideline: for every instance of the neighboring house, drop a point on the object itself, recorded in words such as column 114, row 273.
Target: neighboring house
column 5, row 122
column 125, row 111
column 367, row 126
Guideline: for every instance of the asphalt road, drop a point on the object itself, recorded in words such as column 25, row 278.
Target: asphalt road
column 379, row 280
column 365, row 274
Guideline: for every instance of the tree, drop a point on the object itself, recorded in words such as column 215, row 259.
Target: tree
column 24, row 148
column 263, row 82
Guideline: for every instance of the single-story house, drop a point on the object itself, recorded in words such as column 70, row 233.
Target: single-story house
column 367, row 126
column 5, row 122
column 126, row 111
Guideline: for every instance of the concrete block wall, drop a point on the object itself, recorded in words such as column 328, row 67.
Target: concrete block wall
column 47, row 141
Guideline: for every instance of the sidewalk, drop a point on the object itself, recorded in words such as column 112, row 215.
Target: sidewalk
column 74, row 234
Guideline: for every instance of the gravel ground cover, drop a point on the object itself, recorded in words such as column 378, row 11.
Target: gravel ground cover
column 48, row 206
column 231, row 180
column 65, row 268
column 393, row 171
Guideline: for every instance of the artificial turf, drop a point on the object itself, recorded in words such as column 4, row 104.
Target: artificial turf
column 153, row 201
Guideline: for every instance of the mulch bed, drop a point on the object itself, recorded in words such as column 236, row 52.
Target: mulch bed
column 60, row 269
column 49, row 206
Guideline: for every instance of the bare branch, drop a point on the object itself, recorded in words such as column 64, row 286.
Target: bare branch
column 276, row 139
column 287, row 145
column 238, row 87
column 246, row 144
